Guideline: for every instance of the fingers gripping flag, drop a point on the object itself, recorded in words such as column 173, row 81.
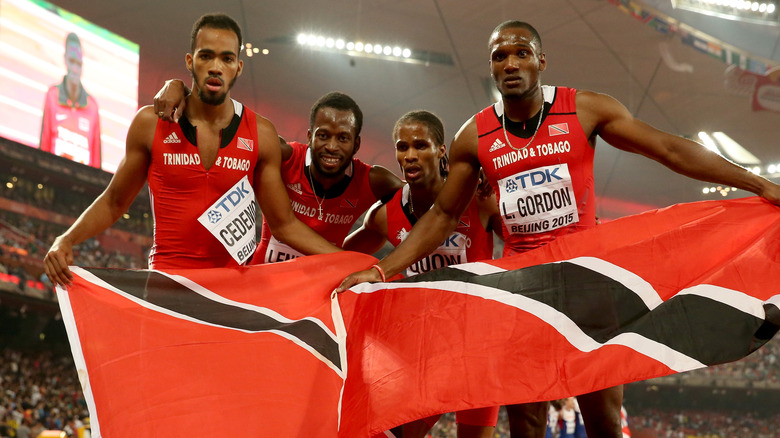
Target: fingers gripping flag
column 264, row 351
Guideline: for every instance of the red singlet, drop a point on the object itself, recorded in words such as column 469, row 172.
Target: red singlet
column 182, row 189
column 544, row 189
column 71, row 129
column 469, row 242
column 341, row 208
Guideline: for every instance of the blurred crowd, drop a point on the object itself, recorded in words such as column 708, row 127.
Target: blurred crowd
column 694, row 423
column 23, row 244
column 40, row 391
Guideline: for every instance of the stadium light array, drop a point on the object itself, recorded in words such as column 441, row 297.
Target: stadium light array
column 354, row 48
column 761, row 12
column 370, row 49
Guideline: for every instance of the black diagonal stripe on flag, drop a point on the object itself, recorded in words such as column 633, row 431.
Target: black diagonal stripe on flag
column 162, row 291
column 603, row 308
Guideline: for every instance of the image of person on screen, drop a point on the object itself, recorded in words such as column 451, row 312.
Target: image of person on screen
column 71, row 124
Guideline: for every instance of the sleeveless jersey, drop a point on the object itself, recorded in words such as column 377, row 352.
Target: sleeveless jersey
column 469, row 242
column 546, row 189
column 341, row 208
column 181, row 189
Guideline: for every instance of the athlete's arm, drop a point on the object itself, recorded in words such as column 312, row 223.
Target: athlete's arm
column 438, row 222
column 605, row 116
column 372, row 234
column 170, row 101
column 285, row 148
column 273, row 200
column 128, row 180
column 383, row 182
column 489, row 214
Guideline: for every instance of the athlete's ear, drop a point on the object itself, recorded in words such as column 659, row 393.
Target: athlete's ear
column 542, row 61
column 442, row 150
column 357, row 145
column 188, row 61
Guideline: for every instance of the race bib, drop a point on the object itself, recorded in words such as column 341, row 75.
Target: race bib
column 232, row 220
column 538, row 200
column 451, row 252
column 279, row 252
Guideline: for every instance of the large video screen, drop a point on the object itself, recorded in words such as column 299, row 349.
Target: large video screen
column 69, row 87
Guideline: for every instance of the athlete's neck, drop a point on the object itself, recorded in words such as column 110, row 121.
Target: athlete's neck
column 326, row 181
column 522, row 108
column 424, row 193
column 73, row 86
column 219, row 116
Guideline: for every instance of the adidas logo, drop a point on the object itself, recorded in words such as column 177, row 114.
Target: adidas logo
column 498, row 144
column 172, row 138
column 295, row 188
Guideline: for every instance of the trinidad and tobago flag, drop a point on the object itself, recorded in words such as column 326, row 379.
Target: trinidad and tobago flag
column 265, row 350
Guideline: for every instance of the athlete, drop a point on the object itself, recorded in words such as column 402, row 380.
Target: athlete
column 536, row 147
column 204, row 172
column 325, row 182
column 71, row 122
column 421, row 154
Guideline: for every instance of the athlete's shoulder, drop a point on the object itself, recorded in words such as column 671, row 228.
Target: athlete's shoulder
column 383, row 182
column 266, row 131
column 146, row 116
column 468, row 132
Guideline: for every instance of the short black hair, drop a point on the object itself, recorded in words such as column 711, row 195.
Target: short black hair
column 338, row 101
column 515, row 24
column 215, row 21
column 429, row 119
column 435, row 128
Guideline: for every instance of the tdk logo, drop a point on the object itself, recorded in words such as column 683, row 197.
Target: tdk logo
column 233, row 198
column 537, row 177
column 214, row 216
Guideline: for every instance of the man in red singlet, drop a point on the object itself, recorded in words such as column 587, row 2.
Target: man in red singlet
column 536, row 147
column 325, row 182
column 71, row 121
column 204, row 172
column 421, row 154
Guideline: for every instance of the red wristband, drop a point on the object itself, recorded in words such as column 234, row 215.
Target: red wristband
column 381, row 272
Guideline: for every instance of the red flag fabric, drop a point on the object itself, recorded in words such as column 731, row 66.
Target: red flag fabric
column 211, row 352
column 645, row 296
column 263, row 351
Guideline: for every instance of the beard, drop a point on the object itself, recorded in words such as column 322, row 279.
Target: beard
column 211, row 99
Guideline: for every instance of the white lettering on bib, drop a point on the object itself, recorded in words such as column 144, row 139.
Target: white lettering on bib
column 232, row 220
column 538, row 200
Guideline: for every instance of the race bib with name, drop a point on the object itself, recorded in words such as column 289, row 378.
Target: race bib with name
column 451, row 252
column 538, row 200
column 279, row 252
column 232, row 220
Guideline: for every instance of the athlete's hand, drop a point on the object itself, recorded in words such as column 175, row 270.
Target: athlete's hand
column 170, row 101
column 369, row 275
column 772, row 193
column 57, row 260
